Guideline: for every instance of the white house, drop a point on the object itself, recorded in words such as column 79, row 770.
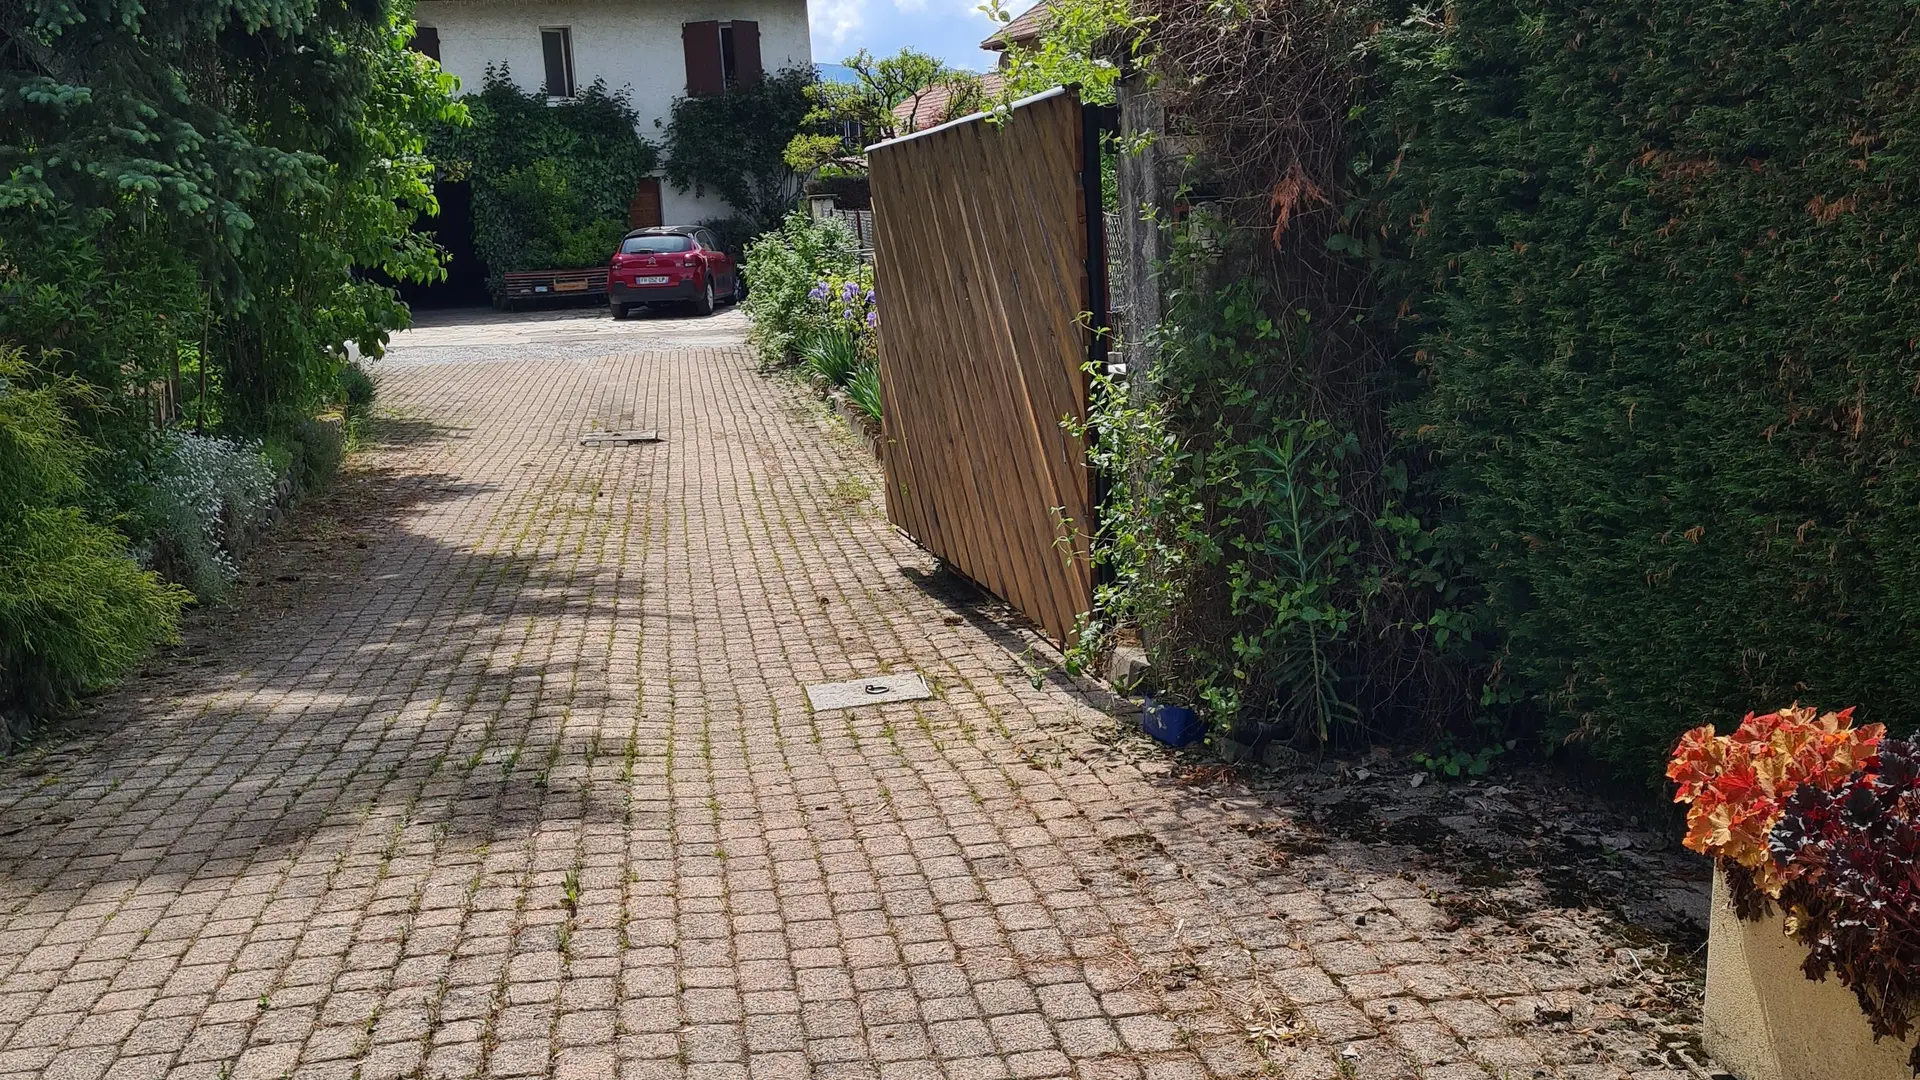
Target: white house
column 656, row 50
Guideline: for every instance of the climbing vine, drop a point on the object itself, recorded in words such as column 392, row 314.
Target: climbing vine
column 1265, row 534
column 551, row 183
column 734, row 145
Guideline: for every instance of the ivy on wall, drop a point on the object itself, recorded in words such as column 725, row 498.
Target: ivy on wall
column 552, row 183
column 734, row 145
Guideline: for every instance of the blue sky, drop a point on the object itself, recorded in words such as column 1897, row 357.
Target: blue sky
column 949, row 29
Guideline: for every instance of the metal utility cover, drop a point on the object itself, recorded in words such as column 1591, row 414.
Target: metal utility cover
column 826, row 697
column 619, row 438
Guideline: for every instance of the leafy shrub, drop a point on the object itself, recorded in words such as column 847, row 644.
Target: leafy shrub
column 309, row 453
column 1453, row 760
column 1737, row 785
column 69, row 303
column 1266, row 556
column 207, row 495
column 193, row 205
column 1855, row 902
column 832, row 354
column 356, row 390
column 840, row 325
column 864, row 391
column 75, row 610
column 846, row 302
column 782, row 268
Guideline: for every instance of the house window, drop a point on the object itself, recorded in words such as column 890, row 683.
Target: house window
column 557, row 43
column 426, row 42
column 721, row 55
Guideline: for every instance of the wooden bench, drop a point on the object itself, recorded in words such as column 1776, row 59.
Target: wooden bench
column 523, row 285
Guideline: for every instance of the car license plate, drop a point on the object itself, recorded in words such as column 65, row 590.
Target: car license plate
column 539, row 288
column 660, row 280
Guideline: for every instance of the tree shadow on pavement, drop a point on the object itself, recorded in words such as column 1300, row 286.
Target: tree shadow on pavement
column 290, row 705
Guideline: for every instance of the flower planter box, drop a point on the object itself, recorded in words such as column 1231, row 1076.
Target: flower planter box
column 866, row 429
column 1765, row 1020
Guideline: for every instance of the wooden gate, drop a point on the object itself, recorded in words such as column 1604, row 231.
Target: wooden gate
column 982, row 237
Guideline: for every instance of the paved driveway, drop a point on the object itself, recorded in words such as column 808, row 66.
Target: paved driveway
column 505, row 768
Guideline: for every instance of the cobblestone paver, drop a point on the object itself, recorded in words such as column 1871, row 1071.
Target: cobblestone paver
column 528, row 785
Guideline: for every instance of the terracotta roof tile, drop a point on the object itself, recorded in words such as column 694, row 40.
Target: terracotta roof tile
column 932, row 109
column 1028, row 26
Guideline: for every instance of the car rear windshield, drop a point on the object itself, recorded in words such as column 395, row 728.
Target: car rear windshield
column 654, row 245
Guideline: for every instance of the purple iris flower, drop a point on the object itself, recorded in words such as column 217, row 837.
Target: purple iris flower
column 867, row 297
column 819, row 292
column 849, row 292
column 873, row 319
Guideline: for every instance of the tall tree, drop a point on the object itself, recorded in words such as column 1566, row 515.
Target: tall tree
column 245, row 158
column 848, row 116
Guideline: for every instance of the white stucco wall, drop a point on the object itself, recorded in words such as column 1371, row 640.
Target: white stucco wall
column 633, row 45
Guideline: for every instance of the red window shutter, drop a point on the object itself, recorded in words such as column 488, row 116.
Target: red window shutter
column 705, row 74
column 746, row 52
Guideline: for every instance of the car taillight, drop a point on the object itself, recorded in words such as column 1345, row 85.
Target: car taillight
column 691, row 260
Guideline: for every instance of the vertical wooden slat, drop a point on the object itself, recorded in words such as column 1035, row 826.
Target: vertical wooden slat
column 981, row 243
column 936, row 468
column 1022, row 301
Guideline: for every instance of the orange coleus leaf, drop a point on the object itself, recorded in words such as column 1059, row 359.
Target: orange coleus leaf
column 1696, row 760
column 1737, row 784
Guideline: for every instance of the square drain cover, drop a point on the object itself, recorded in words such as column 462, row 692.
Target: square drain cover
column 825, row 697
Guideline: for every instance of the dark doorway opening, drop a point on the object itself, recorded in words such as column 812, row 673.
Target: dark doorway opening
column 466, row 281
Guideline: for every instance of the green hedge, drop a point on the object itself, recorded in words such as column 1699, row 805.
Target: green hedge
column 1658, row 267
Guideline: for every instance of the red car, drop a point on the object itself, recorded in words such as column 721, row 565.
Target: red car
column 670, row 264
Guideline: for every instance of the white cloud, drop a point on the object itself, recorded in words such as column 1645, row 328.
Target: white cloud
column 833, row 21
column 910, row 5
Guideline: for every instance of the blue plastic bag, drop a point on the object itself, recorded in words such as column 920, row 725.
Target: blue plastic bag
column 1175, row 725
